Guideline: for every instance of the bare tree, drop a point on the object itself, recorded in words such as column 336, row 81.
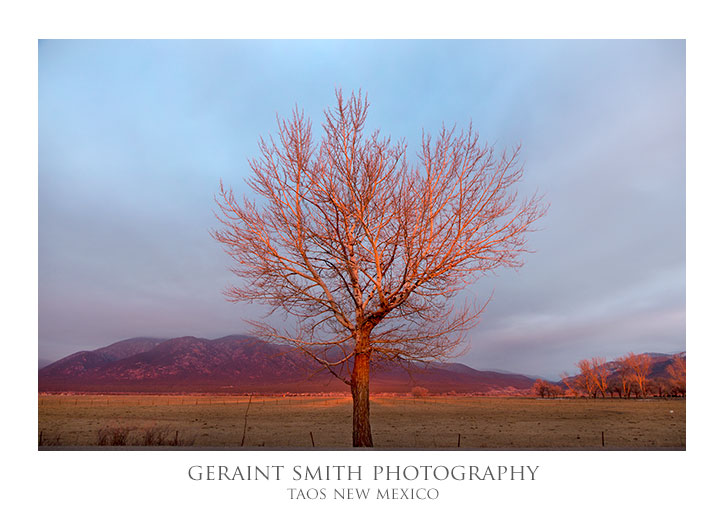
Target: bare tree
column 639, row 366
column 546, row 389
column 661, row 385
column 365, row 252
column 419, row 391
column 612, row 388
column 540, row 388
column 572, row 387
column 555, row 391
column 600, row 373
column 677, row 372
column 586, row 380
column 624, row 369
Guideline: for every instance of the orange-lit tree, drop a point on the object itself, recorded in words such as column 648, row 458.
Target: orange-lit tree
column 639, row 364
column 624, row 368
column 600, row 373
column 540, row 388
column 678, row 375
column 546, row 389
column 365, row 252
column 586, row 380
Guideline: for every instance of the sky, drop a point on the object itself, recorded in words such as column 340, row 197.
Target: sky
column 134, row 137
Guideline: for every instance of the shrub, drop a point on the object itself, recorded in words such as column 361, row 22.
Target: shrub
column 163, row 435
column 419, row 391
column 113, row 436
column 44, row 440
column 156, row 435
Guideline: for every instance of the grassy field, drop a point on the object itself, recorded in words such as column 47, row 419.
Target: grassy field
column 430, row 422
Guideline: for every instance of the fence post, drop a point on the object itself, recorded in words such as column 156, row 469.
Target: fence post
column 246, row 414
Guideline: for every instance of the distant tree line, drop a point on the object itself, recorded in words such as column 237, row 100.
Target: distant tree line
column 547, row 389
column 626, row 377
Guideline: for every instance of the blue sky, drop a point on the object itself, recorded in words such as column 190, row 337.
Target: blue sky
column 134, row 137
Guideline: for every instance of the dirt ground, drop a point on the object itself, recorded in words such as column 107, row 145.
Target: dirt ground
column 397, row 422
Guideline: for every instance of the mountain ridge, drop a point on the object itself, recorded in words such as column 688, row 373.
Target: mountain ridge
column 241, row 363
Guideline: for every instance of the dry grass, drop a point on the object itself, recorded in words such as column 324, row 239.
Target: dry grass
column 430, row 422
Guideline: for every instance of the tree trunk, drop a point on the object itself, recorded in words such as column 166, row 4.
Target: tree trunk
column 360, row 387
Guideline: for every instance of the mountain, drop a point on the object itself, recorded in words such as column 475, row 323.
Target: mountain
column 79, row 363
column 240, row 364
column 660, row 361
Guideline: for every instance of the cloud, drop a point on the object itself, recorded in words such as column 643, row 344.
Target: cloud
column 135, row 135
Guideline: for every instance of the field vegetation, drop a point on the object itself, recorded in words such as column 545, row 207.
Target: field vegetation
column 422, row 421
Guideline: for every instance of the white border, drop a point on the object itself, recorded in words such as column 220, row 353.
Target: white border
column 119, row 481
